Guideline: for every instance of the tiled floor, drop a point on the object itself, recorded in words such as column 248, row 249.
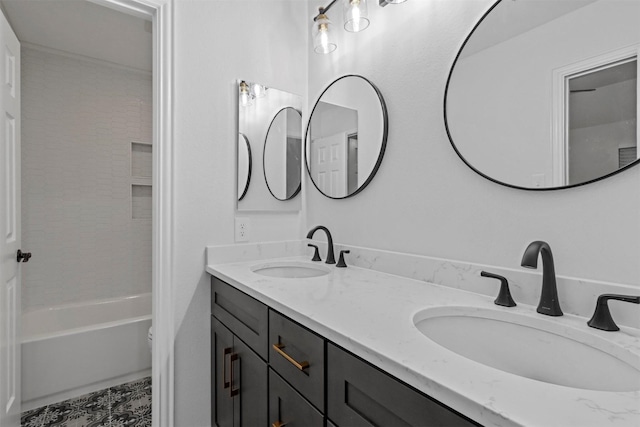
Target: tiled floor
column 124, row 405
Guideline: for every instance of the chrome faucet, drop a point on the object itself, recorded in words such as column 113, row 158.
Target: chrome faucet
column 549, row 303
column 330, row 256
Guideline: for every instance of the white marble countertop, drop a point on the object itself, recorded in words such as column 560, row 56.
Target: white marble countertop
column 370, row 313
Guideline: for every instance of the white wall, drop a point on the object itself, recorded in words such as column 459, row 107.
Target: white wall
column 501, row 98
column 424, row 199
column 79, row 118
column 217, row 42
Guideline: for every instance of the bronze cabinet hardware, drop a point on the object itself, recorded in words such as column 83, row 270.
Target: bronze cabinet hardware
column 300, row 365
column 225, row 352
column 233, row 391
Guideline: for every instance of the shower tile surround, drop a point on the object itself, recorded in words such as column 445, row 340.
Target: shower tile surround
column 79, row 119
column 489, row 397
column 126, row 404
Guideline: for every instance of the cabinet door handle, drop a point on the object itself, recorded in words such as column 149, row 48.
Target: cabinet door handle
column 300, row 365
column 225, row 353
column 234, row 391
column 278, row 424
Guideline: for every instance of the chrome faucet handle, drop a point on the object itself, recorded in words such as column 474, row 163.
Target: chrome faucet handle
column 341, row 262
column 504, row 296
column 316, row 253
column 601, row 318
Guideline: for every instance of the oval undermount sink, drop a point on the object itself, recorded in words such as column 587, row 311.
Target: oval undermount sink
column 537, row 349
column 290, row 270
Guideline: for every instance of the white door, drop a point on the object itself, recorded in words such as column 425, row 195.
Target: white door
column 329, row 167
column 9, row 226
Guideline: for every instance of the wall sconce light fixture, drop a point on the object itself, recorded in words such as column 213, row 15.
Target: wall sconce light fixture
column 245, row 95
column 321, row 32
column 355, row 15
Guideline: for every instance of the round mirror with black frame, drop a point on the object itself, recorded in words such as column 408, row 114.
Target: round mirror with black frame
column 543, row 95
column 282, row 154
column 346, row 137
column 244, row 165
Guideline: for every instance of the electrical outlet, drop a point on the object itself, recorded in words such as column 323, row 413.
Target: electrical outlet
column 242, row 229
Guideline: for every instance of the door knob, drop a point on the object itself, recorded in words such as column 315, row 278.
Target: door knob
column 23, row 256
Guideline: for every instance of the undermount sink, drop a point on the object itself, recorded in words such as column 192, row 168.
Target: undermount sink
column 535, row 348
column 290, row 270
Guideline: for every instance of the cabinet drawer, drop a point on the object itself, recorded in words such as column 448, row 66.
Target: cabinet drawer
column 246, row 317
column 286, row 406
column 297, row 354
column 361, row 395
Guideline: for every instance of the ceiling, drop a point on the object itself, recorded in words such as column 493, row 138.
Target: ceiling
column 83, row 28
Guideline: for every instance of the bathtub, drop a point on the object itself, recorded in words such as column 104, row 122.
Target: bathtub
column 73, row 349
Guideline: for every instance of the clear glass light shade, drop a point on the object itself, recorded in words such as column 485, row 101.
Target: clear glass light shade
column 355, row 15
column 321, row 33
column 258, row 90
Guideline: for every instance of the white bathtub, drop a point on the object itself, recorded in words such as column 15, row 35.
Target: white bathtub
column 73, row 349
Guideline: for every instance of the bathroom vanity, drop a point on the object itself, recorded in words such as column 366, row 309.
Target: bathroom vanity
column 346, row 346
column 298, row 363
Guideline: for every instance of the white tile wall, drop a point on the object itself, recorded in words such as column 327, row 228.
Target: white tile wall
column 78, row 121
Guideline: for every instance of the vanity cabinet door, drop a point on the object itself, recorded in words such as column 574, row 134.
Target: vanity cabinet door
column 288, row 407
column 359, row 394
column 297, row 354
column 245, row 316
column 249, row 380
column 239, row 375
column 221, row 350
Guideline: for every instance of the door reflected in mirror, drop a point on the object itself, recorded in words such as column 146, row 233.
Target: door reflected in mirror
column 346, row 137
column 543, row 93
column 270, row 122
column 602, row 128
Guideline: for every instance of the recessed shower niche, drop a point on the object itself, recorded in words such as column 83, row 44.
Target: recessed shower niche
column 141, row 177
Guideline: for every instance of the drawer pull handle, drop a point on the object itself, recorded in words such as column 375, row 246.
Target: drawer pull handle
column 300, row 365
column 233, row 391
column 225, row 352
column 278, row 424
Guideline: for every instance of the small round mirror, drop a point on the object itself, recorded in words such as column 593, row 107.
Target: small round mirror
column 346, row 137
column 244, row 165
column 282, row 154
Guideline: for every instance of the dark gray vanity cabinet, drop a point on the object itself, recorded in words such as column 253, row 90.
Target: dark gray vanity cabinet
column 288, row 407
column 239, row 375
column 358, row 394
column 247, row 317
column 268, row 370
